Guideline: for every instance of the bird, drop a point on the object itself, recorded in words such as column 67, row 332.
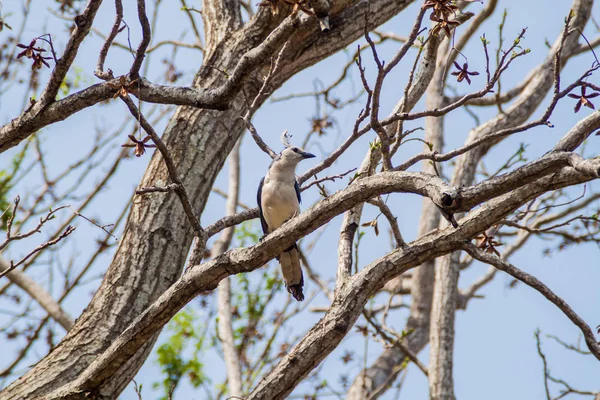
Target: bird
column 279, row 200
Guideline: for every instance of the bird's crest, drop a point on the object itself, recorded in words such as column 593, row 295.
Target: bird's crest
column 286, row 138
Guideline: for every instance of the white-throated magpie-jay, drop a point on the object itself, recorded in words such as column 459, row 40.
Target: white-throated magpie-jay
column 279, row 200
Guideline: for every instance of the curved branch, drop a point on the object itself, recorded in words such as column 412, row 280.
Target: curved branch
column 83, row 24
column 536, row 284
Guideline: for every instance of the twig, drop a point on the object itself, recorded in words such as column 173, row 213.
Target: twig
column 259, row 142
column 10, row 237
column 398, row 343
column 180, row 190
column 103, row 227
column 544, row 362
column 100, row 73
column 41, row 247
column 327, row 178
column 188, row 11
column 255, row 103
column 146, row 35
column 393, row 221
column 571, row 347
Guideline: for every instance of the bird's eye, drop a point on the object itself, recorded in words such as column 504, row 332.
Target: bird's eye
column 295, row 149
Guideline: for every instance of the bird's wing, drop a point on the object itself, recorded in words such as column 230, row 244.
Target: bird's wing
column 263, row 223
column 297, row 187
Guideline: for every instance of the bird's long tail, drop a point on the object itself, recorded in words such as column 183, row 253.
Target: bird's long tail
column 324, row 24
column 292, row 272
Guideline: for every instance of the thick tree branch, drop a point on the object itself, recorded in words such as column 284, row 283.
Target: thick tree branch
column 350, row 299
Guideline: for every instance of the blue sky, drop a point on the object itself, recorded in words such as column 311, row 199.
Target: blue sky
column 495, row 354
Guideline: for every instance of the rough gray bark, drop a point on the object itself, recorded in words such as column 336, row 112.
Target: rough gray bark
column 441, row 338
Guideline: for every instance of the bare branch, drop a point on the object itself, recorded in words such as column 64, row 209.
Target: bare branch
column 536, row 284
column 327, row 178
column 140, row 53
column 39, row 248
column 397, row 343
column 393, row 221
column 262, row 93
column 100, row 73
column 180, row 190
column 19, row 236
column 234, row 373
column 83, row 24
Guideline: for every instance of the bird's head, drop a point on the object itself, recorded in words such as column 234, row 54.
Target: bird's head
column 293, row 155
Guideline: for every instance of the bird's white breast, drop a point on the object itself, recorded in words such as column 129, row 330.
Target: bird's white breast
column 279, row 202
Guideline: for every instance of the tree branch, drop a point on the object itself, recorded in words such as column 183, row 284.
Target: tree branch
column 232, row 362
column 539, row 286
column 100, row 73
column 38, row 293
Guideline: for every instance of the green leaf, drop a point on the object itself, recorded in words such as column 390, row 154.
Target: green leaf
column 174, row 357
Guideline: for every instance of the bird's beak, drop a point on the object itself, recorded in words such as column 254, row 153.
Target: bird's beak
column 307, row 155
